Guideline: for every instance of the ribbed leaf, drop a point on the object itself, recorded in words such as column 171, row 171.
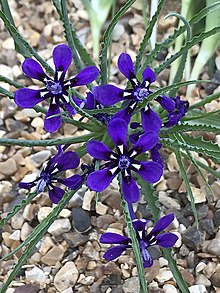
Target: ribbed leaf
column 83, row 53
column 205, row 101
column 35, row 236
column 147, row 35
column 10, row 81
column 19, row 47
column 186, row 47
column 16, row 35
column 165, row 44
column 103, row 64
column 17, row 208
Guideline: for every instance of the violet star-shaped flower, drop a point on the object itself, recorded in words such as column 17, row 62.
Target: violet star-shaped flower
column 123, row 161
column 109, row 95
column 62, row 161
column 55, row 89
column 145, row 240
column 177, row 113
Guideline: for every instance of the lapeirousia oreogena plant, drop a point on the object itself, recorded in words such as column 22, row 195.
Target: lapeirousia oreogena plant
column 124, row 131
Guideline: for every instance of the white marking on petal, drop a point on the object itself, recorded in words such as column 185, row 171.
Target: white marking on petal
column 121, row 148
column 55, row 170
column 113, row 170
column 68, row 82
column 112, row 156
column 135, row 80
column 45, row 79
column 59, row 73
column 133, row 153
column 67, row 99
column 53, row 101
column 42, row 94
column 132, row 106
column 136, row 166
column 125, row 94
column 146, row 83
column 126, row 172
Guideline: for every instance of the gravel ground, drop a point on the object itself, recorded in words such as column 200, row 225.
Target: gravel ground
column 69, row 257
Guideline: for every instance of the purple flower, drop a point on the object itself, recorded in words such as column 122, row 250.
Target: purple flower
column 174, row 115
column 145, row 240
column 56, row 89
column 62, row 161
column 123, row 160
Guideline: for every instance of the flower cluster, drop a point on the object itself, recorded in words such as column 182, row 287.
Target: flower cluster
column 131, row 150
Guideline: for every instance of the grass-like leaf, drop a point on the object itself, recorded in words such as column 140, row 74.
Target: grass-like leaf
column 147, row 35
column 17, row 208
column 205, row 101
column 103, row 62
column 35, row 236
column 69, row 36
column 10, row 81
column 14, row 32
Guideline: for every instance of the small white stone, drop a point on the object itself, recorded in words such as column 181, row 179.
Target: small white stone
column 43, row 213
column 197, row 289
column 66, row 276
column 15, row 235
column 65, row 213
column 101, row 209
column 200, row 266
column 164, row 275
column 163, row 262
column 68, row 290
column 169, row 289
column 59, row 227
column 36, row 274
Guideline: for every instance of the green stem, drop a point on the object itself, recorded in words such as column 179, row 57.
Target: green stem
column 10, row 81
column 46, row 142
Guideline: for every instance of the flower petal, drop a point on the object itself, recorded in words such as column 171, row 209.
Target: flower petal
column 150, row 171
column 155, row 155
column 100, row 180
column 52, row 124
column 73, row 182
column 149, row 75
column 166, row 102
column 98, row 150
column 150, row 120
column 86, row 76
column 124, row 114
column 90, row 101
column 115, row 252
column 56, row 194
column 68, row 160
column 28, row 98
column 33, row 69
column 62, row 57
column 126, row 66
column 162, row 224
column 146, row 141
column 108, row 94
column 147, row 259
column 26, row 185
column 140, row 224
column 114, row 238
column 130, row 189
column 166, row 240
column 117, row 130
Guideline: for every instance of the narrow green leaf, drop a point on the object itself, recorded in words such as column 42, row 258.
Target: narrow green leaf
column 147, row 35
column 35, row 236
column 19, row 47
column 69, row 36
column 186, row 47
column 103, row 63
column 205, row 101
column 10, row 81
column 13, row 31
column 187, row 183
column 17, row 208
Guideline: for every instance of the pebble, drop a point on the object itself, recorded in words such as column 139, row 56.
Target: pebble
column 91, row 252
column 59, row 227
column 169, row 289
column 101, row 209
column 66, row 276
column 198, row 289
column 80, row 220
column 207, row 225
column 202, row 280
column 131, row 285
column 36, row 275
column 193, row 237
column 217, row 218
column 200, row 266
column 25, row 231
column 68, row 290
column 40, row 157
column 15, row 235
column 118, row 32
column 8, row 167
column 198, row 195
column 75, row 239
column 168, row 202
column 43, row 213
column 17, row 221
column 214, row 247
column 29, row 288
column 104, row 221
column 54, row 255
column 46, row 244
column 215, row 279
column 87, row 200
column 164, row 275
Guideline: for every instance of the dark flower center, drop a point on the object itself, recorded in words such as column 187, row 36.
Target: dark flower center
column 141, row 93
column 45, row 178
column 54, row 87
column 123, row 162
